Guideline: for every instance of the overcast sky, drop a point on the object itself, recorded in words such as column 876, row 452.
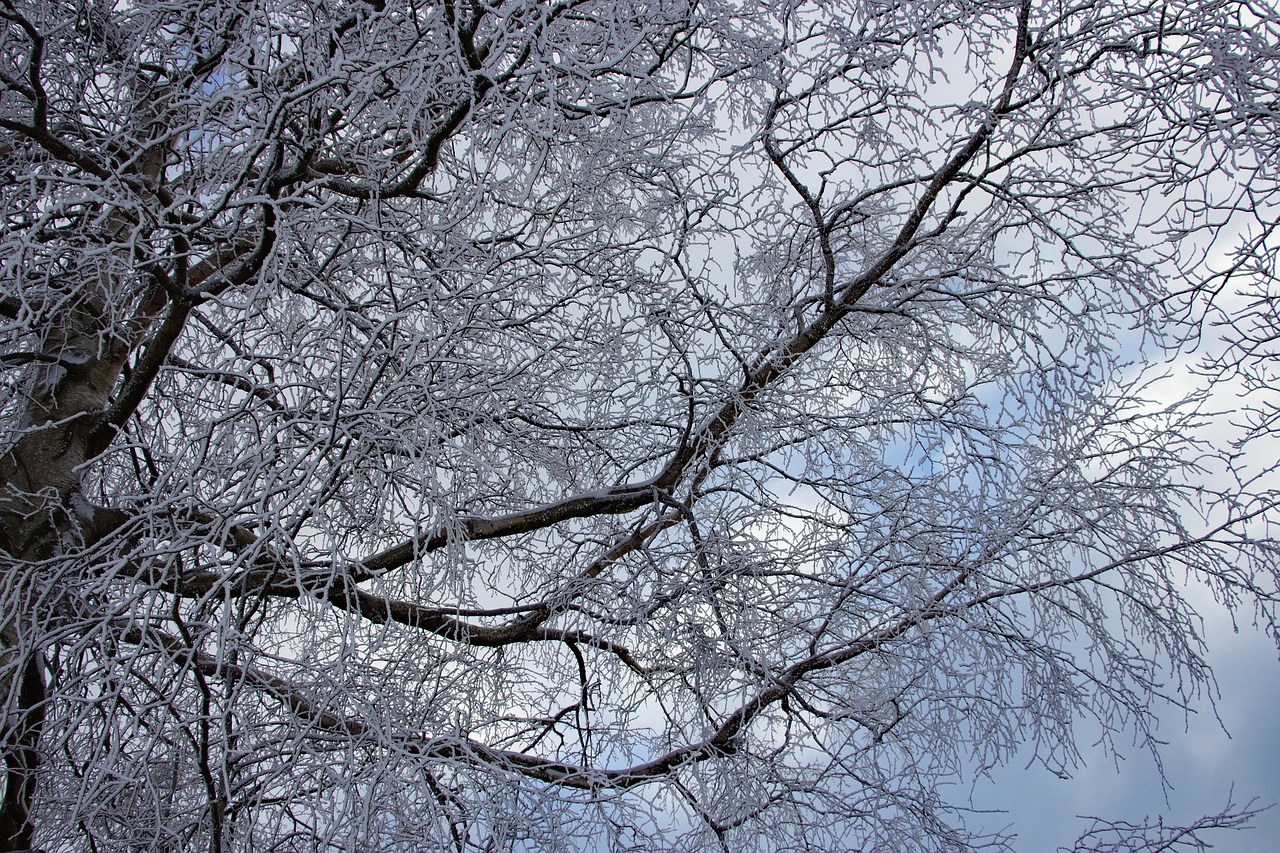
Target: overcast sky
column 1209, row 753
column 1201, row 761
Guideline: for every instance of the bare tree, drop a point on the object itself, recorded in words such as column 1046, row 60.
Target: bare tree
column 606, row 425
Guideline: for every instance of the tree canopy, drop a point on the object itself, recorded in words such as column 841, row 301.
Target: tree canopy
column 618, row 424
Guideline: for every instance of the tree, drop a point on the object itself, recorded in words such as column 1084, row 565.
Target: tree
column 605, row 425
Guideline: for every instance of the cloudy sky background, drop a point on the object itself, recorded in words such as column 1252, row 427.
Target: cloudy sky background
column 1202, row 762
column 1230, row 746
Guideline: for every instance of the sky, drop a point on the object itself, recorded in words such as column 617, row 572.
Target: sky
column 1230, row 748
column 1203, row 760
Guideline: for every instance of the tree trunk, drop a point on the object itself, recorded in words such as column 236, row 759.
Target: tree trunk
column 43, row 514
